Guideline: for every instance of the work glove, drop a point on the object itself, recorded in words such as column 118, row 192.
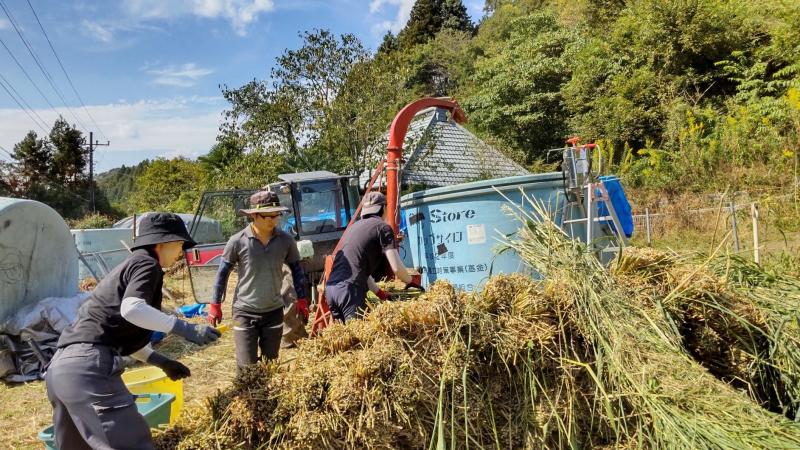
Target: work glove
column 174, row 369
column 414, row 285
column 200, row 334
column 214, row 314
column 383, row 295
column 302, row 308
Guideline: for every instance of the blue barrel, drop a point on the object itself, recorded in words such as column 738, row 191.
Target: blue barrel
column 452, row 232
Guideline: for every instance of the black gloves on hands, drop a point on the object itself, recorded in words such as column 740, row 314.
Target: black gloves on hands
column 174, row 369
column 200, row 334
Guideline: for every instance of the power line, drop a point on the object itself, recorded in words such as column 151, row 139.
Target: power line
column 69, row 79
column 3, row 85
column 27, row 75
column 92, row 145
column 6, row 152
column 39, row 63
column 41, row 122
column 10, row 156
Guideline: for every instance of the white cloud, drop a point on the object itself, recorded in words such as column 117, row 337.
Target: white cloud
column 183, row 126
column 401, row 17
column 185, row 75
column 5, row 24
column 97, row 31
column 239, row 13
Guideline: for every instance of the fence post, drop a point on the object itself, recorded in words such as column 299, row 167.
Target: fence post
column 134, row 227
column 647, row 226
column 733, row 224
column 756, row 253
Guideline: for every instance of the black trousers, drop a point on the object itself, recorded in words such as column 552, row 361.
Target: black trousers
column 92, row 408
column 257, row 331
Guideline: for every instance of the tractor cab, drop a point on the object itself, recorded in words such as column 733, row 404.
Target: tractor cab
column 320, row 206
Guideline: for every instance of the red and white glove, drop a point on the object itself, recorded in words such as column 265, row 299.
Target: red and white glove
column 214, row 314
column 383, row 295
column 302, row 308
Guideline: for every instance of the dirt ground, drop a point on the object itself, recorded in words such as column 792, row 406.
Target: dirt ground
column 25, row 410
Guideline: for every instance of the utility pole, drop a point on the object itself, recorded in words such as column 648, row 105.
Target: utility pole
column 92, row 145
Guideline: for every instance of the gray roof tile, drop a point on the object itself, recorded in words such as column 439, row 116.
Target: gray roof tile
column 445, row 153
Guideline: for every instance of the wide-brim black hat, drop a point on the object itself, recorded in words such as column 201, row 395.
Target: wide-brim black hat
column 158, row 228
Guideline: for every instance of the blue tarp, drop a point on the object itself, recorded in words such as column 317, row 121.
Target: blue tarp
column 192, row 310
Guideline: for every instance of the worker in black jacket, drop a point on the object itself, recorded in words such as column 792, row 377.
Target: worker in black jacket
column 361, row 251
column 92, row 408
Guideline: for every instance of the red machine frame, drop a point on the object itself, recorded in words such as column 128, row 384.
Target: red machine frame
column 392, row 163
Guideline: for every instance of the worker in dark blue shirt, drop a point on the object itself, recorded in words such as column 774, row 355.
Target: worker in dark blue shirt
column 92, row 408
column 361, row 251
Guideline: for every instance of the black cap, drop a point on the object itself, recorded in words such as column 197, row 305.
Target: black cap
column 161, row 227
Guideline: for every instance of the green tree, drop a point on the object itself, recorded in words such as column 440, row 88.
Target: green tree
column 429, row 17
column 455, row 17
column 516, row 93
column 389, row 43
column 69, row 158
column 117, row 184
column 656, row 54
column 372, row 94
column 171, row 185
column 33, row 159
column 440, row 66
column 252, row 170
column 423, row 24
column 293, row 114
column 225, row 152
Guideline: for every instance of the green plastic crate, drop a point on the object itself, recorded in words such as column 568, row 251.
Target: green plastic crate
column 154, row 407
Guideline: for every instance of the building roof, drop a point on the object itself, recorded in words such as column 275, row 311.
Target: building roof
column 304, row 176
column 440, row 152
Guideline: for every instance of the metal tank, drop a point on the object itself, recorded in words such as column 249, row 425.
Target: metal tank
column 453, row 232
column 102, row 249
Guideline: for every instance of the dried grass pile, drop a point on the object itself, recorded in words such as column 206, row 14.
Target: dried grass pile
column 660, row 352
column 737, row 319
column 384, row 382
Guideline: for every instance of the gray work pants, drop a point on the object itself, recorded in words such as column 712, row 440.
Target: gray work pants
column 257, row 331
column 92, row 408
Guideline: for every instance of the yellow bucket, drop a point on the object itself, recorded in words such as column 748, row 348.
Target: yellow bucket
column 152, row 380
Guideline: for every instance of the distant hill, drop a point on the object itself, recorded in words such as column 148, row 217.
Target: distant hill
column 117, row 184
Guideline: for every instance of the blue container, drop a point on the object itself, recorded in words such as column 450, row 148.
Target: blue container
column 154, row 407
column 452, row 232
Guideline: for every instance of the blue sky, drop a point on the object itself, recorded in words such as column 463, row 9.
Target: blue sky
column 149, row 71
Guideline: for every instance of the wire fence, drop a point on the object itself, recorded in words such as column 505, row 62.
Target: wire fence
column 747, row 223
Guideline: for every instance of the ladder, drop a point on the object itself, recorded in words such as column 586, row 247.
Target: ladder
column 585, row 192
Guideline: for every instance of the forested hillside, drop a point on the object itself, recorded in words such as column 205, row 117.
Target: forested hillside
column 681, row 95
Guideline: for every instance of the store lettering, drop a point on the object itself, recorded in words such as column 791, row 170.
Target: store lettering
column 437, row 215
